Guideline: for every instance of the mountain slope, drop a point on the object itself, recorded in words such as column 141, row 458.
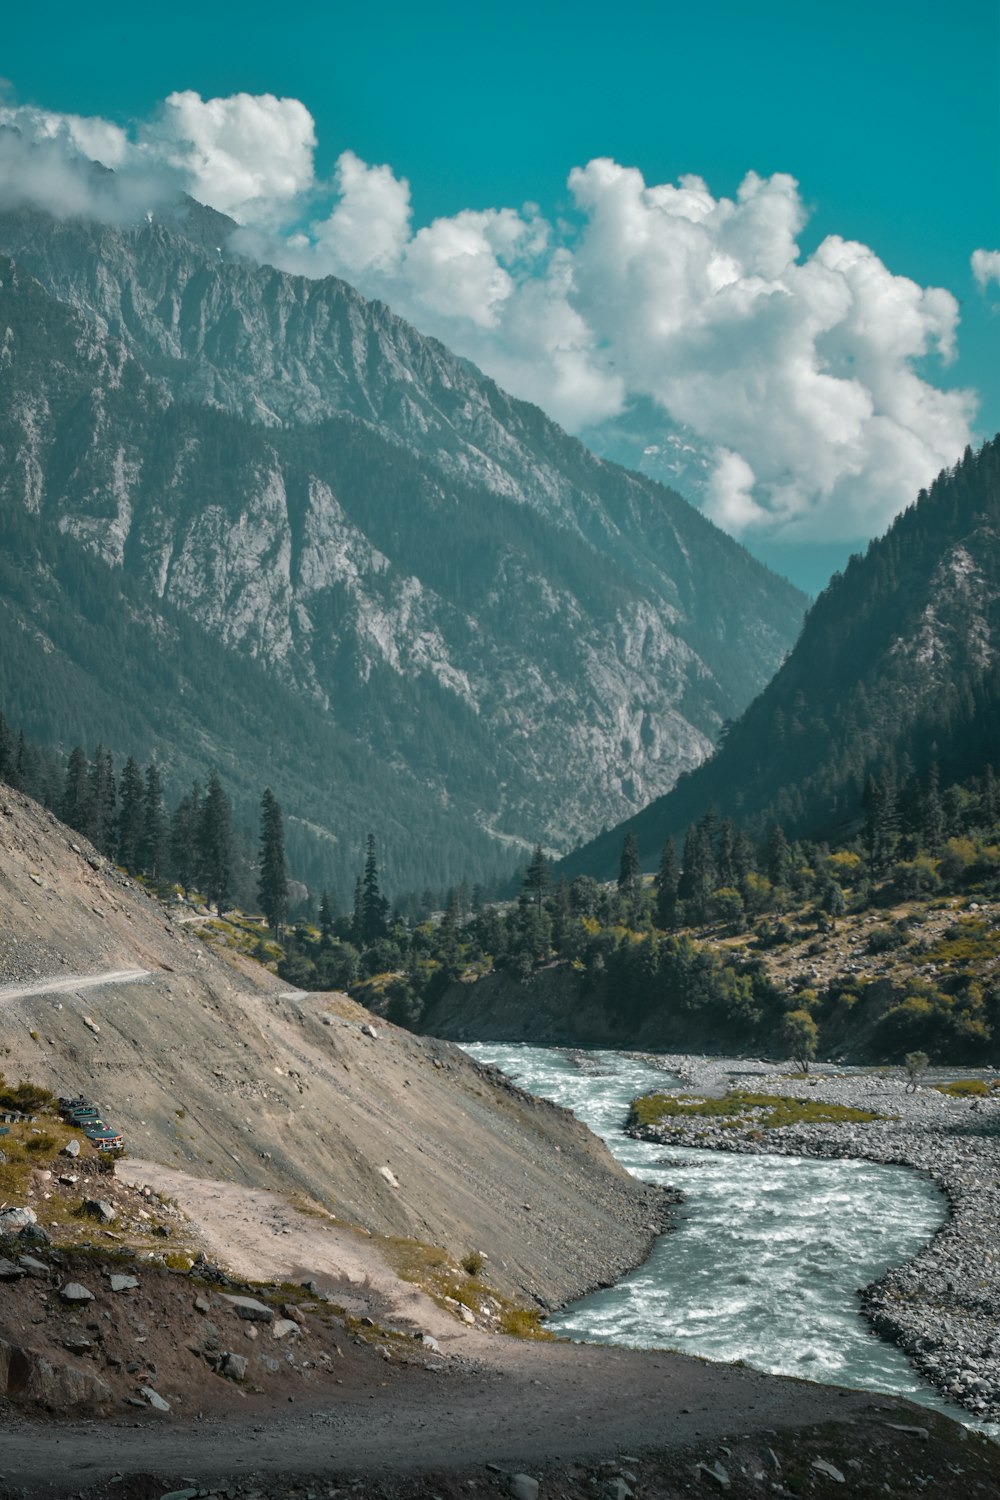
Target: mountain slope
column 542, row 640
column 898, row 661
column 210, row 1066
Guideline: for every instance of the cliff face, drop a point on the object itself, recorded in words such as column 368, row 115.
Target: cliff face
column 544, row 640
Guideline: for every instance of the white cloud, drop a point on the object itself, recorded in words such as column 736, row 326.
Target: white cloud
column 986, row 267
column 803, row 378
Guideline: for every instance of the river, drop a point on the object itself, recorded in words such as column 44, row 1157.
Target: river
column 768, row 1251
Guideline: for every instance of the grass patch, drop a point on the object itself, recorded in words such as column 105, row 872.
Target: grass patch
column 434, row 1271
column 968, row 941
column 764, row 1111
column 966, row 1088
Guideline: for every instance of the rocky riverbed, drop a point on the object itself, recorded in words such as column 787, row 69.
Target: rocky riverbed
column 943, row 1307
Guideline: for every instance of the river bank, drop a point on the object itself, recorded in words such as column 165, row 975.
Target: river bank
column 943, row 1306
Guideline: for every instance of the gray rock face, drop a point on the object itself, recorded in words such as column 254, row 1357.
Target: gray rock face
column 378, row 510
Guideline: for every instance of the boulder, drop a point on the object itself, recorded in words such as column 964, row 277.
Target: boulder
column 101, row 1209
column 124, row 1283
column 14, row 1219
column 249, row 1308
column 234, row 1366
column 26, row 1376
column 74, row 1292
column 522, row 1487
column 154, row 1398
column 33, row 1267
column 35, row 1234
column 71, row 1148
column 832, row 1472
column 9, row 1271
column 283, row 1327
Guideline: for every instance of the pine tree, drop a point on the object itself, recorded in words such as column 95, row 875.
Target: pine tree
column 358, row 915
column 75, row 806
column 667, row 880
column 374, row 907
column 629, row 874
column 215, row 845
column 153, row 850
column 536, row 878
column 932, row 813
column 326, row 919
column 131, row 817
column 777, row 857
column 272, row 883
column 102, row 801
column 8, row 750
column 184, row 833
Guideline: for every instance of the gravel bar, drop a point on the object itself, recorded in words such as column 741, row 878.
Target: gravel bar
column 943, row 1307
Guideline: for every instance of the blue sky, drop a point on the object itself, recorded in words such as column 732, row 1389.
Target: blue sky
column 888, row 116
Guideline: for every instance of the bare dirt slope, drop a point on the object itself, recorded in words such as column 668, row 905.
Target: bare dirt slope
column 209, row 1065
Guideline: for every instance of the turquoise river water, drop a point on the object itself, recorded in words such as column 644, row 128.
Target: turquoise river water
column 768, row 1252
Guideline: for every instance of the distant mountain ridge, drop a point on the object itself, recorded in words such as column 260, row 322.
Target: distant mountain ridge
column 542, row 640
column 897, row 667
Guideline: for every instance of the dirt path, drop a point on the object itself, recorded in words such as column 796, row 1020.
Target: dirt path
column 70, row 983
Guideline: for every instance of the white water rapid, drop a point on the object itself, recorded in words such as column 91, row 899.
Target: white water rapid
column 768, row 1252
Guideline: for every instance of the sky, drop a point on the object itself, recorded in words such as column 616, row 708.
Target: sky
column 762, row 241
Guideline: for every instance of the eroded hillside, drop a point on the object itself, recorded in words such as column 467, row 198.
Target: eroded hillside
column 210, row 1066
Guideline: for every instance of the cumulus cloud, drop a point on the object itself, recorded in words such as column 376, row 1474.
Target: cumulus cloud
column 804, row 378
column 250, row 155
column 986, row 267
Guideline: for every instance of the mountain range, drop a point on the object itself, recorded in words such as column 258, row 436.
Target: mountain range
column 897, row 669
column 362, row 571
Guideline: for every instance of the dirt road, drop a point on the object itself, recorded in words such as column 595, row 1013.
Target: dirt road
column 71, row 983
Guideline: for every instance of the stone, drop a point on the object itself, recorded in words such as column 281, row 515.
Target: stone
column 283, row 1327
column 14, row 1219
column 367, row 1030
column 234, row 1366
column 35, row 1234
column 289, row 1310
column 429, row 1342
column 249, row 1308
column 389, row 1176
column 33, row 1267
column 124, row 1283
column 202, row 1305
column 268, row 1363
column 32, row 1378
column 616, row 1489
column 822, row 1467
column 74, row 1292
column 154, row 1398
column 71, row 1148
column 918, row 1432
column 101, row 1209
column 716, row 1473
column 522, row 1487
column 9, row 1271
